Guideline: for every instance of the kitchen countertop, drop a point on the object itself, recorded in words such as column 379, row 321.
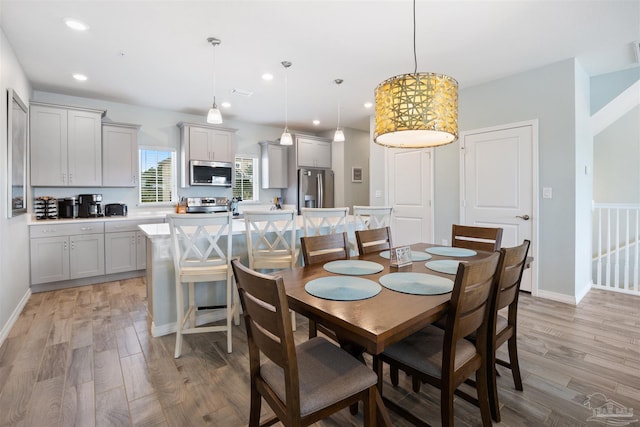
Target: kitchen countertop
column 133, row 215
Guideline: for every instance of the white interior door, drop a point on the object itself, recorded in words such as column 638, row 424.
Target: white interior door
column 410, row 193
column 498, row 185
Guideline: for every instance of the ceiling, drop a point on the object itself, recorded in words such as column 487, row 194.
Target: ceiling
column 155, row 53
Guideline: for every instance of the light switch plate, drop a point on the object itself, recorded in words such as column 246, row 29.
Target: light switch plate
column 547, row 193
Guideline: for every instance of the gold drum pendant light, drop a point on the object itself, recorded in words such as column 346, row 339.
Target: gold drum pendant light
column 416, row 110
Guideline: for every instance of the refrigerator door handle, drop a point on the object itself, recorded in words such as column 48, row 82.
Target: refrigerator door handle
column 320, row 191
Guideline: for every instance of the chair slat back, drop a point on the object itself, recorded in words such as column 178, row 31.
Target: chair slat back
column 202, row 240
column 318, row 221
column 271, row 232
column 511, row 274
column 470, row 301
column 266, row 314
column 368, row 217
column 477, row 238
column 328, row 247
column 373, row 240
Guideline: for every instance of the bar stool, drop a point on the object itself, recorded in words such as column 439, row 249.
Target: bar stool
column 201, row 245
column 268, row 245
column 318, row 221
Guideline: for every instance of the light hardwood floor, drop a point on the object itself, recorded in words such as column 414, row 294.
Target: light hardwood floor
column 84, row 357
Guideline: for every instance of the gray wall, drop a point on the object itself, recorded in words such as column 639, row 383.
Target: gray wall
column 14, row 236
column 606, row 87
column 617, row 148
column 616, row 174
column 549, row 94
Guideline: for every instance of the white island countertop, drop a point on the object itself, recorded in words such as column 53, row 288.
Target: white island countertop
column 161, row 230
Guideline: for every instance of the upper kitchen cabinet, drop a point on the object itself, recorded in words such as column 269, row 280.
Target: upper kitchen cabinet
column 313, row 152
column 66, row 146
column 119, row 154
column 204, row 142
column 274, row 165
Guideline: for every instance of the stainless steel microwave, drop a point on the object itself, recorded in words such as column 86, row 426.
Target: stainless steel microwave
column 203, row 172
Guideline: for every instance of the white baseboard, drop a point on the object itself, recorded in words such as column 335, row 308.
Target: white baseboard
column 581, row 293
column 566, row 299
column 170, row 328
column 4, row 332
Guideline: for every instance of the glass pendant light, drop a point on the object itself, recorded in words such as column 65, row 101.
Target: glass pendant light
column 286, row 138
column 214, row 116
column 416, row 110
column 339, row 135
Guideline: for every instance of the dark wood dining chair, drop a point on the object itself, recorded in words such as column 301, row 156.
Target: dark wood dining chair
column 302, row 384
column 321, row 249
column 503, row 329
column 324, row 248
column 444, row 358
column 373, row 240
column 477, row 238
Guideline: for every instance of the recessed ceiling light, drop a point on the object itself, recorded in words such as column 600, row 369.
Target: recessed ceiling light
column 316, row 122
column 80, row 77
column 368, row 105
column 74, row 24
column 225, row 105
column 267, row 76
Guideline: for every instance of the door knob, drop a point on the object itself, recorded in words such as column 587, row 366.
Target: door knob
column 525, row 217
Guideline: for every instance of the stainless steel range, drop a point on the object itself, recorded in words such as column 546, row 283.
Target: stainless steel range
column 207, row 204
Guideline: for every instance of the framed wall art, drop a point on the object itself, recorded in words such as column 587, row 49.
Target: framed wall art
column 356, row 174
column 16, row 154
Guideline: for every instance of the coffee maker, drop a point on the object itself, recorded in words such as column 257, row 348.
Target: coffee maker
column 89, row 205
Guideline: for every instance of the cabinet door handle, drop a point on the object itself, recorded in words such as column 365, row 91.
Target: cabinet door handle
column 64, row 178
column 86, row 228
column 65, row 246
column 70, row 178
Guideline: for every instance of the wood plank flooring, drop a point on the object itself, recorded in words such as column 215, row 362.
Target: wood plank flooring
column 84, row 357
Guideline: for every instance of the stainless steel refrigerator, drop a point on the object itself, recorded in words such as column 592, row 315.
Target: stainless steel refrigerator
column 315, row 188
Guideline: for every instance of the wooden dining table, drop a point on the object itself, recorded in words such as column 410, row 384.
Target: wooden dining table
column 373, row 324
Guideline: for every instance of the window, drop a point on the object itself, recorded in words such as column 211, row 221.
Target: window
column 246, row 185
column 157, row 176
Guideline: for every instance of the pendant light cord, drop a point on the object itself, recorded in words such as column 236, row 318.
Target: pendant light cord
column 214, row 74
column 415, row 57
column 286, row 96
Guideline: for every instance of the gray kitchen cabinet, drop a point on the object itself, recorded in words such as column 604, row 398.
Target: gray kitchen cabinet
column 204, row 142
column 274, row 165
column 119, row 155
column 125, row 246
column 66, row 251
column 66, row 146
column 314, row 153
column 120, row 252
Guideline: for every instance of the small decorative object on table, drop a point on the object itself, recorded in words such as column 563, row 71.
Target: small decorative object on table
column 400, row 256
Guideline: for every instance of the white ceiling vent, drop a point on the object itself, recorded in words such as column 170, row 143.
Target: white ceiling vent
column 636, row 50
column 242, row 92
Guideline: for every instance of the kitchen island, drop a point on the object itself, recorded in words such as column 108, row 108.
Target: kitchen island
column 161, row 290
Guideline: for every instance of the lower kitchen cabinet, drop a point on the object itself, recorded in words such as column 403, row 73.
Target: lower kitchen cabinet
column 66, row 251
column 125, row 247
